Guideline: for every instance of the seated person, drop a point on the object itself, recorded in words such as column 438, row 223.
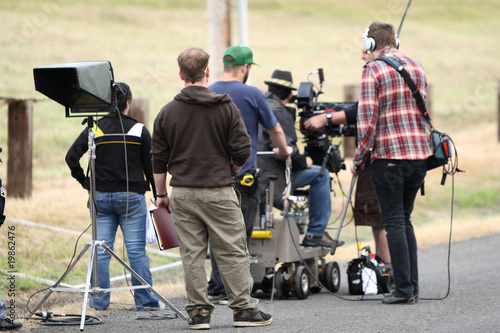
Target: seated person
column 304, row 172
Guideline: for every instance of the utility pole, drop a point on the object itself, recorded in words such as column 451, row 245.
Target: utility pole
column 219, row 34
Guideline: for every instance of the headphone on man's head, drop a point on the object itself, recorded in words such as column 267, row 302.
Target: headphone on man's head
column 369, row 42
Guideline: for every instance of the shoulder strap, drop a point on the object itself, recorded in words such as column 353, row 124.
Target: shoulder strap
column 413, row 88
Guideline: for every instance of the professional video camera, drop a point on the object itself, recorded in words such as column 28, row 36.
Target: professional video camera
column 318, row 143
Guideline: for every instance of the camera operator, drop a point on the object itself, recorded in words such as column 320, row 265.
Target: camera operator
column 393, row 132
column 304, row 172
column 119, row 194
column 366, row 208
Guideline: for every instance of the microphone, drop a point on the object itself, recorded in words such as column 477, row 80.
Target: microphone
column 321, row 75
column 401, row 24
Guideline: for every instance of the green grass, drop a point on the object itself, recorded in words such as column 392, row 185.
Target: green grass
column 480, row 198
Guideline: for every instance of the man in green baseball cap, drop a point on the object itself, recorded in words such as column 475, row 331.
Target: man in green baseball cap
column 253, row 105
column 239, row 56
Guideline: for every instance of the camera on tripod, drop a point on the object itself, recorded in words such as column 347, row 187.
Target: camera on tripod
column 318, row 142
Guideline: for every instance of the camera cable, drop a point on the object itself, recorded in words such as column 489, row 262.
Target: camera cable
column 48, row 318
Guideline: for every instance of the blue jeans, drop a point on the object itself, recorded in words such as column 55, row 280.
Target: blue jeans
column 111, row 208
column 320, row 202
column 396, row 184
column 3, row 310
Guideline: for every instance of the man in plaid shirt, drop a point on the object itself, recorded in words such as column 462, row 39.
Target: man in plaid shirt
column 393, row 137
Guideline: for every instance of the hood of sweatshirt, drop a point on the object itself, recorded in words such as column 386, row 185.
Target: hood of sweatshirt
column 201, row 95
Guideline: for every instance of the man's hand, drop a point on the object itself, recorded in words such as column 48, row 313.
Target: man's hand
column 163, row 202
column 316, row 122
column 309, row 162
column 354, row 168
column 235, row 169
column 284, row 154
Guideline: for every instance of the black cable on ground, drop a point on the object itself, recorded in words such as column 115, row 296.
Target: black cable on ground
column 48, row 318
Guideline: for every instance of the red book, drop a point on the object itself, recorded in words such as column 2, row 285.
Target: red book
column 164, row 228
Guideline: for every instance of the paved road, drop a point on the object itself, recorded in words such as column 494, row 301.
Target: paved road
column 473, row 303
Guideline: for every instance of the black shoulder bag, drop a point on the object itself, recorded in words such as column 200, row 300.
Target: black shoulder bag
column 440, row 141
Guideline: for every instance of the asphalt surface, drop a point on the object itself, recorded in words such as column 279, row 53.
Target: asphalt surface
column 472, row 305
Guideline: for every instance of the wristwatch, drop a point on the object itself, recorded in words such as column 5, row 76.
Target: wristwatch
column 329, row 117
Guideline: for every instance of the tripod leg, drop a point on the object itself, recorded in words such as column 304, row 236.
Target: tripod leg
column 87, row 284
column 40, row 303
column 342, row 216
column 141, row 280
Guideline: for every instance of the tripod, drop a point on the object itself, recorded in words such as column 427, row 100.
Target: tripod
column 92, row 245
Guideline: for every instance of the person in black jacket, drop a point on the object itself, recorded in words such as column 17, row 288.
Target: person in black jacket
column 123, row 173
column 304, row 172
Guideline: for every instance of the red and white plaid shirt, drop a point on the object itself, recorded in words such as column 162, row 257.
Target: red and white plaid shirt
column 389, row 122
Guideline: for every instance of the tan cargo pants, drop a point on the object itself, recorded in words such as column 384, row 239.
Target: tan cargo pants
column 201, row 214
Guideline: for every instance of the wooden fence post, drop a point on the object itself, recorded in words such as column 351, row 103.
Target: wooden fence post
column 139, row 110
column 351, row 94
column 20, row 144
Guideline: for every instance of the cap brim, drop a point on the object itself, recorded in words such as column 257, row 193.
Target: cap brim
column 233, row 63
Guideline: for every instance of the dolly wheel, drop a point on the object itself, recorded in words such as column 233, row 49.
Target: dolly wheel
column 281, row 290
column 332, row 276
column 301, row 282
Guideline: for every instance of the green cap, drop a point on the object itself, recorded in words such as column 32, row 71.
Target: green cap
column 242, row 55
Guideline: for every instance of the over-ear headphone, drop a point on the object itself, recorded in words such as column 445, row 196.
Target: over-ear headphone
column 370, row 44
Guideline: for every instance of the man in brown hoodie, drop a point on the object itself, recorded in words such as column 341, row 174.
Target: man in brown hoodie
column 201, row 140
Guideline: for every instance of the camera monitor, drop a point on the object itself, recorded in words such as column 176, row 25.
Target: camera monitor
column 83, row 88
column 305, row 95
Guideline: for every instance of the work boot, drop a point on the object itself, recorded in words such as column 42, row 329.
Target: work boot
column 9, row 325
column 201, row 321
column 247, row 318
column 325, row 241
column 391, row 299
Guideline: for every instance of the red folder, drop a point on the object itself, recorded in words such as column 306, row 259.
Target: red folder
column 164, row 228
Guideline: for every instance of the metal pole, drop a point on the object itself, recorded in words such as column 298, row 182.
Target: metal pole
column 336, row 242
column 243, row 22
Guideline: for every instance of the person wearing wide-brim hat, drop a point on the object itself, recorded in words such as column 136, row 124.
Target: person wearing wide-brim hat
column 281, row 79
column 280, row 88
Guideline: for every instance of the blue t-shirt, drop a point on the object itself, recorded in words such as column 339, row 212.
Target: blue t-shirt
column 254, row 108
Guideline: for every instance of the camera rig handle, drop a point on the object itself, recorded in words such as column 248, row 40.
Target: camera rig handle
column 325, row 160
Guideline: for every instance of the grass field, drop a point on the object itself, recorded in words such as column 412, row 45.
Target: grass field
column 454, row 40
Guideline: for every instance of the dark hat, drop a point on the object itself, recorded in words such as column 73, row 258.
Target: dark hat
column 242, row 56
column 281, row 79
